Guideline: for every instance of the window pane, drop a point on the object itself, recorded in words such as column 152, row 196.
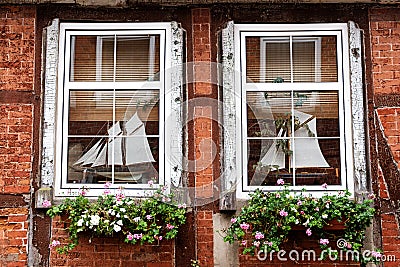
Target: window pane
column 264, row 110
column 143, row 102
column 115, row 58
column 90, row 112
column 136, row 159
column 317, row 167
column 268, row 161
column 291, row 59
column 83, row 153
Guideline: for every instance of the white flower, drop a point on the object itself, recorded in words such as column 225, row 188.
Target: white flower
column 117, row 215
column 94, row 219
column 118, row 202
column 117, row 228
column 307, row 222
column 136, row 219
column 324, row 216
column 297, row 221
column 119, row 222
column 125, row 216
column 122, row 210
column 80, row 222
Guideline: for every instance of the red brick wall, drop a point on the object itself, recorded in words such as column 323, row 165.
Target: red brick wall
column 17, row 33
column 385, row 49
column 110, row 252
column 203, row 132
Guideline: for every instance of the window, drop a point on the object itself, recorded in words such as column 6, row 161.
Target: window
column 295, row 113
column 112, row 98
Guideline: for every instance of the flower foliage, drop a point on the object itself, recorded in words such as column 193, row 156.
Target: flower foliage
column 264, row 223
column 138, row 220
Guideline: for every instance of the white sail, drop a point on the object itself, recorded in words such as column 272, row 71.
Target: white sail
column 307, row 152
column 137, row 146
column 112, row 150
column 90, row 156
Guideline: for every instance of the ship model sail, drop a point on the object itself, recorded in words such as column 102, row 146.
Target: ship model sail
column 126, row 149
column 306, row 151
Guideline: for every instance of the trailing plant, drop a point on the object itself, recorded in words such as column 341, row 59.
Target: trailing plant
column 140, row 221
column 265, row 222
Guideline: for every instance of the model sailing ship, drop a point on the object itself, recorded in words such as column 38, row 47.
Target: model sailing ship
column 306, row 151
column 126, row 149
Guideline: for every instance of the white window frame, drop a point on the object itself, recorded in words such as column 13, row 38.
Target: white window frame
column 62, row 188
column 241, row 31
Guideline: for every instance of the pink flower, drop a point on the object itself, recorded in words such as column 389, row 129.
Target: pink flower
column 149, row 217
column 82, row 192
column 107, row 192
column 280, row 182
column 256, row 243
column 349, row 245
column 259, row 235
column 278, row 195
column 299, row 203
column 376, row 254
column 323, row 241
column 46, row 204
column 182, row 206
column 55, row 243
column 119, row 195
column 233, row 220
column 138, row 236
column 170, row 226
column 107, row 185
column 283, row 213
column 129, row 236
column 308, row 232
column 324, row 186
column 244, row 226
column 302, row 212
column 269, row 243
column 244, row 243
column 150, row 183
column 316, row 209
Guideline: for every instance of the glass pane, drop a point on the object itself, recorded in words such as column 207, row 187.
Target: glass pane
column 266, row 111
column 87, row 160
column 305, row 62
column 138, row 58
column 119, row 58
column 141, row 103
column 269, row 161
column 136, row 159
column 317, row 161
column 314, row 59
column 90, row 112
column 91, row 58
column 267, row 59
column 321, row 109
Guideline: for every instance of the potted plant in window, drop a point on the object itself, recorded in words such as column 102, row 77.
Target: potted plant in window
column 139, row 221
column 265, row 222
